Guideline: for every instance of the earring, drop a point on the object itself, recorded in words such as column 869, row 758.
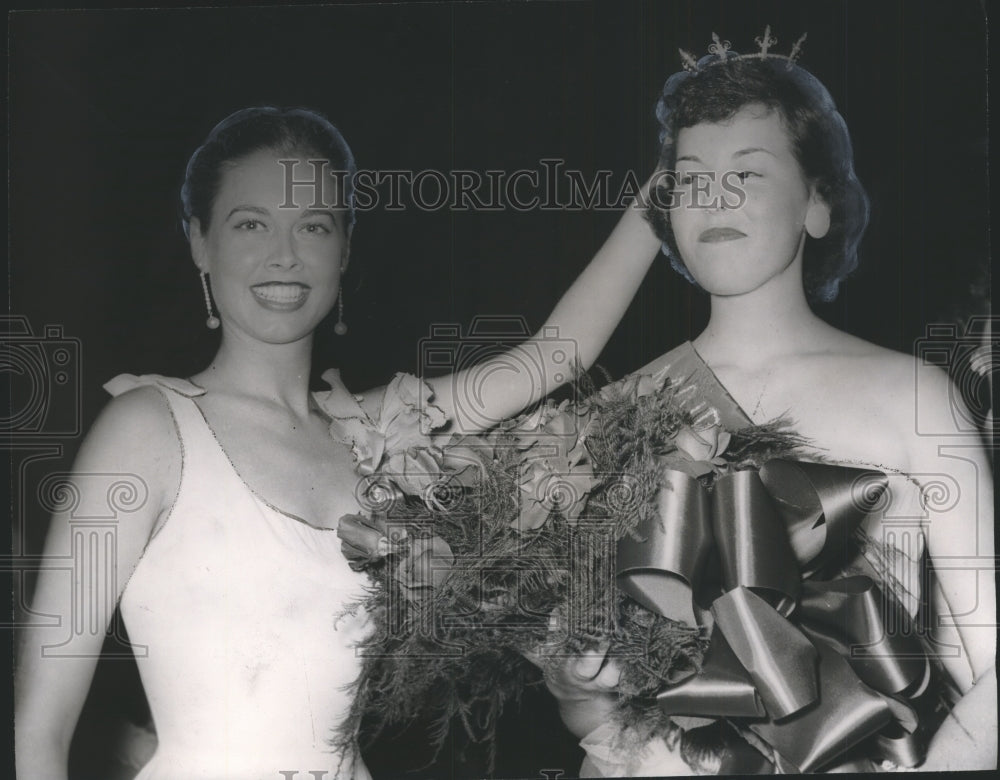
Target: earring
column 212, row 322
column 341, row 327
column 818, row 221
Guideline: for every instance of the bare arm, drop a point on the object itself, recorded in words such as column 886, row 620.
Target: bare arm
column 587, row 314
column 968, row 737
column 133, row 437
column 961, row 545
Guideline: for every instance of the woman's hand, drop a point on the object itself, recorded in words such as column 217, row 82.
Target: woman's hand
column 584, row 676
column 968, row 737
column 585, row 687
column 960, row 537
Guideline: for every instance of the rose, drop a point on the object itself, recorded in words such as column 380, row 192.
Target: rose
column 558, row 429
column 635, row 386
column 555, row 475
column 699, row 452
column 398, row 431
column 550, row 421
column 365, row 540
column 425, row 565
column 413, row 470
column 463, row 458
column 545, row 490
column 706, row 444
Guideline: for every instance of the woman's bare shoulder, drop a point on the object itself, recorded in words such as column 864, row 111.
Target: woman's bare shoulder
column 140, row 410
column 886, row 372
column 133, row 444
column 912, row 395
column 135, row 433
column 849, row 345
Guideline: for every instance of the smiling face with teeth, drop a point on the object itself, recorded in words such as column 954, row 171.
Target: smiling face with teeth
column 733, row 251
column 274, row 261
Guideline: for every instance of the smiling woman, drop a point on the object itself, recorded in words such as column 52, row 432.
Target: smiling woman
column 253, row 232
column 263, row 254
column 230, row 575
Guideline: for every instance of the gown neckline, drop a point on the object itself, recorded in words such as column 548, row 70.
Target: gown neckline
column 734, row 407
column 699, row 389
column 253, row 493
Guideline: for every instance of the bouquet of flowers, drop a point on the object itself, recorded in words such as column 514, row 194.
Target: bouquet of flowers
column 483, row 550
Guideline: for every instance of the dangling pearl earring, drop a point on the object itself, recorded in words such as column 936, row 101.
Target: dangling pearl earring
column 341, row 327
column 212, row 322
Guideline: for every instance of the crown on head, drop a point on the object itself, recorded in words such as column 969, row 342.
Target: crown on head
column 722, row 51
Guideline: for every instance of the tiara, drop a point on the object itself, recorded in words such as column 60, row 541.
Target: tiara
column 722, row 51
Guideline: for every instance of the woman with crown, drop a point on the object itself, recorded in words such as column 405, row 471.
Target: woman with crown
column 759, row 207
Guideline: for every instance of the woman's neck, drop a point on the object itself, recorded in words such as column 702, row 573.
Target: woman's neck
column 772, row 321
column 274, row 372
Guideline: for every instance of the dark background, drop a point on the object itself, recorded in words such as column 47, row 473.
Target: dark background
column 106, row 106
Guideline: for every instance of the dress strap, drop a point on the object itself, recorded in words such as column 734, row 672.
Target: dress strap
column 125, row 382
column 339, row 402
column 192, row 429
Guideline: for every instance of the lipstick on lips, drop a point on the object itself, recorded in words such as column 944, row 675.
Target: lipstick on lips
column 281, row 296
column 717, row 234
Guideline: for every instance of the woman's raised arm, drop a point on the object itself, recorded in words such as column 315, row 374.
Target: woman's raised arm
column 587, row 314
column 132, row 439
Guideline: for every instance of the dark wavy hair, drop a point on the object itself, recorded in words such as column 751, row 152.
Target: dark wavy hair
column 287, row 131
column 819, row 140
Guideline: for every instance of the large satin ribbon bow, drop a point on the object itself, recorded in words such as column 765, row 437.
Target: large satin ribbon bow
column 809, row 665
